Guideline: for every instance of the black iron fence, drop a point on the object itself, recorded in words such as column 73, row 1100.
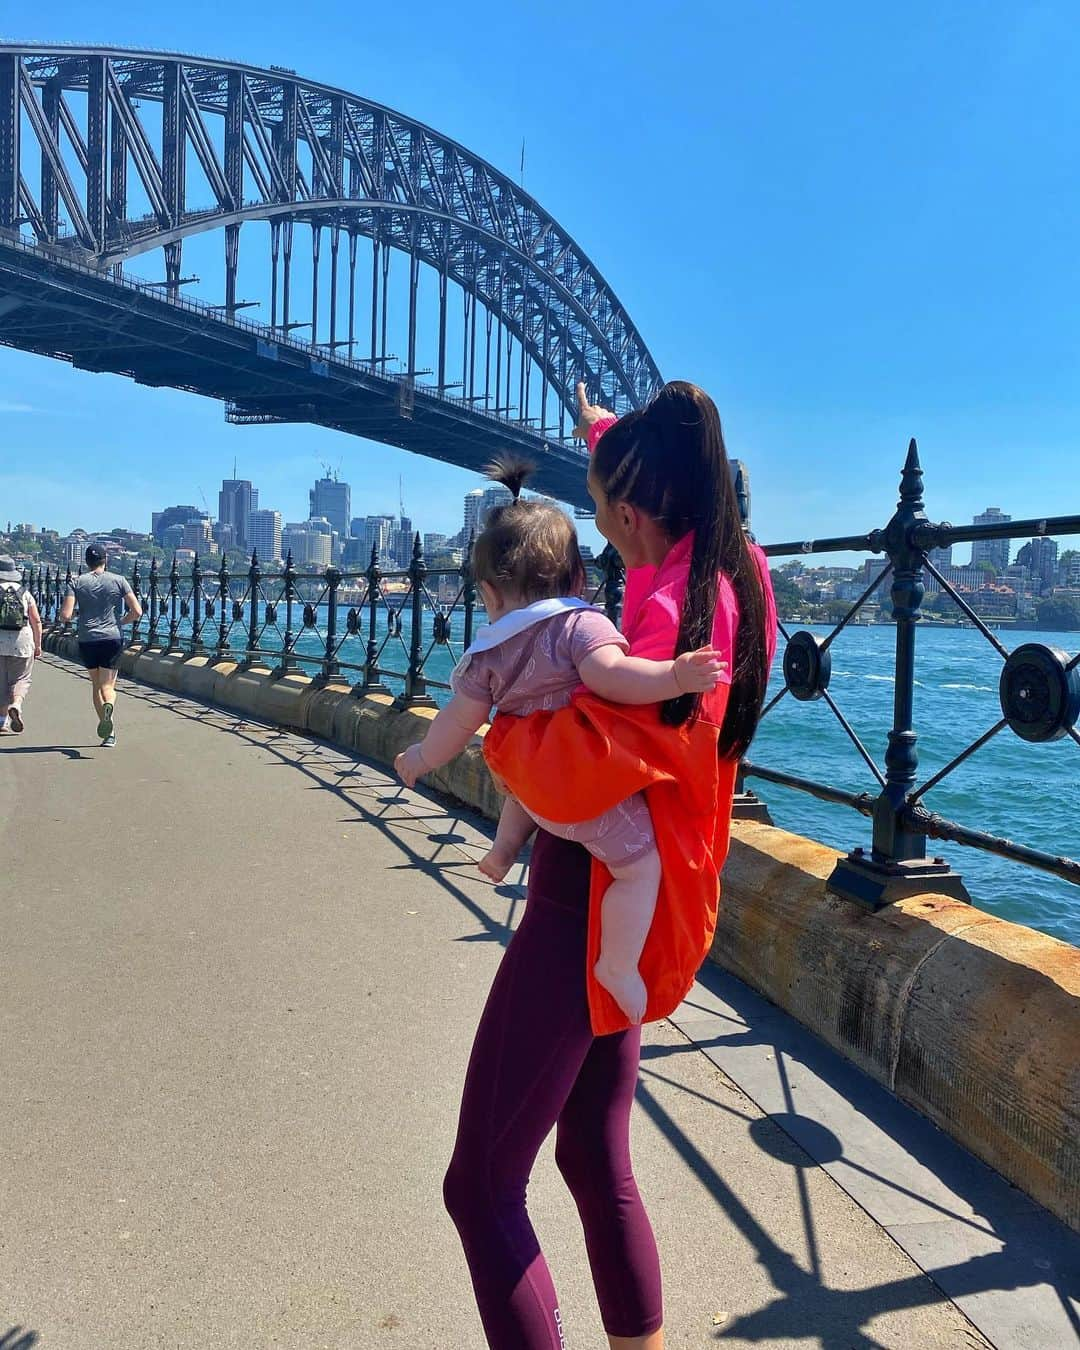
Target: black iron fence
column 1039, row 694
column 409, row 627
column 386, row 631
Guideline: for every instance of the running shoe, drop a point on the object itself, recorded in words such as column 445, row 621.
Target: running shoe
column 15, row 719
column 104, row 727
column 108, row 742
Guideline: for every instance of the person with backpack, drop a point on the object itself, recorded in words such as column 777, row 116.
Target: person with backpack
column 106, row 603
column 20, row 643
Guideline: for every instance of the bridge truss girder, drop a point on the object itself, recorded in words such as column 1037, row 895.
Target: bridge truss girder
column 271, row 147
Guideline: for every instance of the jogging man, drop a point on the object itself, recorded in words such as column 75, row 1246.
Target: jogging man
column 106, row 601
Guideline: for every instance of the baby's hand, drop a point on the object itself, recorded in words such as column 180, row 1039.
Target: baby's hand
column 409, row 765
column 699, row 672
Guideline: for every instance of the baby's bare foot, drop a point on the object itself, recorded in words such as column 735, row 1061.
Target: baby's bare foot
column 495, row 864
column 625, row 986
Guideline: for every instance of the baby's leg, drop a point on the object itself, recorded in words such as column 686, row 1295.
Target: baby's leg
column 625, row 920
column 515, row 826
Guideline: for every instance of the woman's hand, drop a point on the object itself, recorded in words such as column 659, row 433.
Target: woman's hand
column 588, row 413
column 698, row 672
column 409, row 765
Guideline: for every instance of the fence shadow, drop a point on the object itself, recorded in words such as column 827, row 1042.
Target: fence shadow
column 803, row 1299
column 18, row 1339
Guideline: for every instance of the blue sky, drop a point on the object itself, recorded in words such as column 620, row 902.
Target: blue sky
column 852, row 224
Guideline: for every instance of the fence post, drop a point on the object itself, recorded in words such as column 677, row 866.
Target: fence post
column 330, row 665
column 196, row 606
column 135, row 579
column 151, row 635
column 174, row 604
column 372, row 684
column 225, row 622
column 416, row 694
column 614, row 583
column 898, row 865
column 468, row 594
column 287, row 660
column 254, row 576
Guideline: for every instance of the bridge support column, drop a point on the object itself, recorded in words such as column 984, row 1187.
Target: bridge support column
column 10, row 121
column 232, row 259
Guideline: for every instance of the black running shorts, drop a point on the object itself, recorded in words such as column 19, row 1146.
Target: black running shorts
column 102, row 654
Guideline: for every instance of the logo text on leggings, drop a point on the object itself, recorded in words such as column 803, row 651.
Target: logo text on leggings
column 559, row 1329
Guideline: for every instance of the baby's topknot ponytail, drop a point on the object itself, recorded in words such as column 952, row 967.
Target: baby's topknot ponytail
column 512, row 471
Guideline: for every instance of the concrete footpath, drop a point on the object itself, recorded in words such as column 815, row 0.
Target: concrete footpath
column 241, row 971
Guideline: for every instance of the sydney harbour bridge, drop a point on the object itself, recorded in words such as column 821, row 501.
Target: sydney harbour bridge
column 355, row 269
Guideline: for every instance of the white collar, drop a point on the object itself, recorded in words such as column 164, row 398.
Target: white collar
column 519, row 620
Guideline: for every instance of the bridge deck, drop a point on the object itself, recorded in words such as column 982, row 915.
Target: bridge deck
column 241, row 973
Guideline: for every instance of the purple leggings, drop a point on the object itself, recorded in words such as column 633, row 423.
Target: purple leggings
column 535, row 1063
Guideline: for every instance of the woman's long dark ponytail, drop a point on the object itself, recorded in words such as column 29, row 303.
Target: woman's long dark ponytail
column 669, row 461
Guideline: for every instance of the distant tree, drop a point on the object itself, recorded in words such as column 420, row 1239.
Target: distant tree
column 788, row 598
column 988, row 568
column 835, row 610
column 1059, row 614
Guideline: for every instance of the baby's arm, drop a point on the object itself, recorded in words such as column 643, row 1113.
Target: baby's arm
column 449, row 734
column 607, row 671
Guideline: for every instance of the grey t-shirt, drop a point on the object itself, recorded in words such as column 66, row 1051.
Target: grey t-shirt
column 101, row 601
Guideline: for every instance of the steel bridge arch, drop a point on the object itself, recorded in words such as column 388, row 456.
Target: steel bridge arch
column 346, row 212
column 313, row 154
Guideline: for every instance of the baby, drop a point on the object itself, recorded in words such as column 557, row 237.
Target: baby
column 542, row 642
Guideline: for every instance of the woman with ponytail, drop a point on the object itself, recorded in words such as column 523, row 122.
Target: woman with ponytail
column 554, row 1048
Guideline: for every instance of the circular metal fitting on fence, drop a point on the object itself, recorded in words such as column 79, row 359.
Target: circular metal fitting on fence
column 309, row 616
column 393, row 624
column 1040, row 695
column 237, row 611
column 209, row 609
column 352, row 623
column 442, row 628
column 271, row 613
column 184, row 611
column 807, row 666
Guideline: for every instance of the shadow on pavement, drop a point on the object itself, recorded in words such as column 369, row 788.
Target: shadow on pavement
column 303, row 753
column 1036, row 1249
column 17, row 1339
column 804, row 1304
column 69, row 752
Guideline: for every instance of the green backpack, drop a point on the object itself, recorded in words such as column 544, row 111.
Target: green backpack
column 12, row 611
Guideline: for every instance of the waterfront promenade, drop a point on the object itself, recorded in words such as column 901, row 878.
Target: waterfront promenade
column 241, row 972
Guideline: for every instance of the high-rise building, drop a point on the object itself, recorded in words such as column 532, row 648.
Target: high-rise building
column 478, row 504
column 236, row 501
column 1041, row 556
column 333, row 501
column 265, row 534
column 401, row 546
column 372, row 531
column 309, row 541
column 941, row 557
column 174, row 515
column 994, row 551
column 197, row 535
column 224, row 536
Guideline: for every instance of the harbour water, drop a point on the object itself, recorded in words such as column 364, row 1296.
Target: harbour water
column 1027, row 793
